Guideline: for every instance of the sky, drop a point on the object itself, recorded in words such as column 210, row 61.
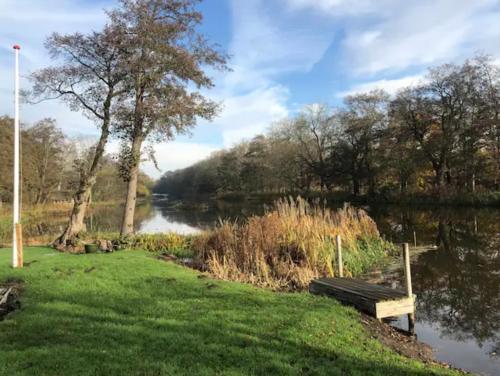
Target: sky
column 285, row 54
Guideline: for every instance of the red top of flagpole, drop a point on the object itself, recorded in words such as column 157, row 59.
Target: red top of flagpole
column 16, row 47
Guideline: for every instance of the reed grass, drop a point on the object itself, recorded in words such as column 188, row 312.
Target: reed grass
column 172, row 243
column 291, row 244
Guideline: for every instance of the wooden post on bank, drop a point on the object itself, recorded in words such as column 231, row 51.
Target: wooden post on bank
column 409, row 292
column 338, row 244
column 19, row 245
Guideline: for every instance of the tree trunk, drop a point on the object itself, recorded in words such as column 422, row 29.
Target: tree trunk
column 438, row 177
column 403, row 184
column 69, row 238
column 129, row 210
column 371, row 185
column 355, row 186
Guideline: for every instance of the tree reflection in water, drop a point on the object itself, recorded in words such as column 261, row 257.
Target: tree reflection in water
column 458, row 285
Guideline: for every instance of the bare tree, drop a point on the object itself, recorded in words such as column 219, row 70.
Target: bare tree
column 315, row 131
column 43, row 159
column 448, row 116
column 88, row 78
column 166, row 72
column 364, row 119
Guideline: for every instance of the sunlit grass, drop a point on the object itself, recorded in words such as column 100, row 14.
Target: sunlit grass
column 128, row 313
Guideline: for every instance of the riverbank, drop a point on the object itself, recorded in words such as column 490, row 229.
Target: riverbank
column 486, row 199
column 130, row 313
column 43, row 223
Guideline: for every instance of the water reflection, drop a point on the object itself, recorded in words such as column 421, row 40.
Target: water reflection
column 161, row 222
column 457, row 285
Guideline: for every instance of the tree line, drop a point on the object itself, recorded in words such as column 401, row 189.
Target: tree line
column 51, row 164
column 438, row 138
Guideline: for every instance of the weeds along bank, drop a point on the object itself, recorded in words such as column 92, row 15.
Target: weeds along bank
column 44, row 222
column 291, row 244
column 36, row 220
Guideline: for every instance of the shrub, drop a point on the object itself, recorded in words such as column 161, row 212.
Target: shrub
column 290, row 245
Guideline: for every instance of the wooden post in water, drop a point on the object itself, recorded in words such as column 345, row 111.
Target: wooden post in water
column 415, row 238
column 338, row 243
column 409, row 292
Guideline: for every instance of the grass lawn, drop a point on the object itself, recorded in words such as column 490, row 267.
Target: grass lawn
column 128, row 313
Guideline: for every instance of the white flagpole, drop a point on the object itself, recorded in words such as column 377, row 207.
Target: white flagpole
column 15, row 250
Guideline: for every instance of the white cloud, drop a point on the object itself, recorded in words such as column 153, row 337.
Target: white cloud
column 422, row 32
column 268, row 44
column 171, row 155
column 392, row 35
column 391, row 86
column 28, row 23
column 338, row 7
column 249, row 114
column 264, row 46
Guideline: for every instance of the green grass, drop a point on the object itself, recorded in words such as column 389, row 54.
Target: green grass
column 136, row 315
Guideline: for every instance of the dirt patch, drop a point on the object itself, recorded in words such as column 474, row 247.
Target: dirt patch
column 9, row 297
column 401, row 342
column 167, row 257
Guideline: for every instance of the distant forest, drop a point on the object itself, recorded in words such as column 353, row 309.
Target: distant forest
column 439, row 138
column 52, row 165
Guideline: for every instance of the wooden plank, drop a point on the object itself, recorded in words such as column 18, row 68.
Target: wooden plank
column 360, row 302
column 359, row 290
column 379, row 291
column 363, row 288
column 394, row 307
column 5, row 297
column 349, row 289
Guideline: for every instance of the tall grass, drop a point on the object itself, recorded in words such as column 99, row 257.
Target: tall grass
column 175, row 244
column 290, row 245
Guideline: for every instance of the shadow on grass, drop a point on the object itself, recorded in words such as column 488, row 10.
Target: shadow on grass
column 170, row 322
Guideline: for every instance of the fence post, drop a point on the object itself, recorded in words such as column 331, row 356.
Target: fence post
column 338, row 243
column 409, row 292
column 19, row 245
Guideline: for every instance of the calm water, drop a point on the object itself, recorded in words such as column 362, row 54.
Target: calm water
column 457, row 285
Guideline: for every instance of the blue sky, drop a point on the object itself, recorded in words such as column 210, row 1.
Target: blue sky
column 284, row 54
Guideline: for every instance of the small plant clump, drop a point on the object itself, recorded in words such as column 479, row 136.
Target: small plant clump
column 290, row 245
column 168, row 242
column 157, row 243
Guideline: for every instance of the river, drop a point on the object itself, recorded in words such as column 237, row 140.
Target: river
column 457, row 284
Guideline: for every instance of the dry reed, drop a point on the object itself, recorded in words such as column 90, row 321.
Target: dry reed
column 290, row 245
